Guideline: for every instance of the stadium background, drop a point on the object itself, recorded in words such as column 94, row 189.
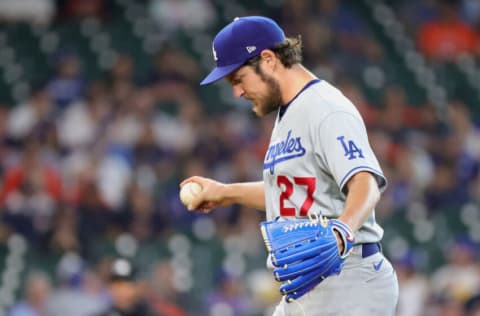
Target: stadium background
column 101, row 117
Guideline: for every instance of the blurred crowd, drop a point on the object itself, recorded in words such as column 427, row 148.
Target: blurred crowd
column 89, row 169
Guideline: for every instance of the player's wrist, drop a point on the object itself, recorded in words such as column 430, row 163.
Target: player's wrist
column 244, row 193
column 225, row 192
column 346, row 236
column 229, row 193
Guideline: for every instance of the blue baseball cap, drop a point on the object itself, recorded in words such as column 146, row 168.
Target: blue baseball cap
column 240, row 40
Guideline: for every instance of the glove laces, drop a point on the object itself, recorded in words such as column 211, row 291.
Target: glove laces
column 318, row 218
column 292, row 300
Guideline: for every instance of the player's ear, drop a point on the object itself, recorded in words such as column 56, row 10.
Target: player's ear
column 269, row 58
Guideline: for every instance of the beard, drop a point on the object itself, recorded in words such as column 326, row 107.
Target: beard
column 272, row 100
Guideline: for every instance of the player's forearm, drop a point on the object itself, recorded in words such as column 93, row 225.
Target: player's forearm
column 251, row 194
column 363, row 195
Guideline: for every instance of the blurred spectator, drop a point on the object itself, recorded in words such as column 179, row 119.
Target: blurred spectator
column 472, row 306
column 343, row 21
column 127, row 294
column 230, row 297
column 318, row 40
column 140, row 217
column 147, row 152
column 376, row 69
column 459, row 279
column 413, row 287
column 444, row 191
column 420, row 167
column 384, row 148
column 31, row 175
column 461, row 122
column 123, row 68
column 82, row 8
column 351, row 90
column 81, row 124
column 113, row 176
column 471, row 11
column 63, row 238
column 402, row 184
column 445, row 307
column 37, row 290
column 31, row 192
column 122, row 74
column 349, row 35
column 294, row 13
column 94, row 218
column 397, row 117
column 447, row 36
column 71, row 298
column 457, row 167
column 264, row 291
column 123, row 131
column 161, row 290
column 29, row 117
column 4, row 150
column 40, row 12
column 176, row 132
column 173, row 65
column 67, row 83
column 172, row 15
column 125, row 127
column 412, row 14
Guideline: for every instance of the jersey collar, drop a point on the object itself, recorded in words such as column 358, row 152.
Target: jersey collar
column 284, row 107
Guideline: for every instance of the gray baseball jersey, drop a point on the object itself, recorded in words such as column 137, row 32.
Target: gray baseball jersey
column 319, row 141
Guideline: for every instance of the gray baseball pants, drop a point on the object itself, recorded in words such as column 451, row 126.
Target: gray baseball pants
column 365, row 287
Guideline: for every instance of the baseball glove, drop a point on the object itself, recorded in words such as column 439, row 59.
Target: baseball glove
column 304, row 252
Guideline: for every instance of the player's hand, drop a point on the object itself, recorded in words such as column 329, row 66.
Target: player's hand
column 213, row 194
column 340, row 244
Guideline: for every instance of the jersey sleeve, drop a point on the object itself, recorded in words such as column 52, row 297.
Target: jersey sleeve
column 344, row 148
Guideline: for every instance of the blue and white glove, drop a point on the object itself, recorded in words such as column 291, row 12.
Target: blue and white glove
column 304, row 252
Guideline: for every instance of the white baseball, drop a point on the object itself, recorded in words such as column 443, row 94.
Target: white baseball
column 189, row 191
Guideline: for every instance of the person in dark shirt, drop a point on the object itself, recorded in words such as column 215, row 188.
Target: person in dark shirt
column 126, row 293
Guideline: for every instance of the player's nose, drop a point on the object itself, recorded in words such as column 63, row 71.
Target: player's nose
column 238, row 92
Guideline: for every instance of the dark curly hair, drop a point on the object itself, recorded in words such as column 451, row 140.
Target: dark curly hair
column 289, row 52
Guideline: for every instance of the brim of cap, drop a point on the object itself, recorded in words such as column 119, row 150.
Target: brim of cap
column 220, row 72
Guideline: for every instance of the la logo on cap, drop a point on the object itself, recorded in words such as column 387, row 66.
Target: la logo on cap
column 251, row 49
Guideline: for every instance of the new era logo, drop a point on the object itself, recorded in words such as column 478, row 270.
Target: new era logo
column 251, row 49
column 214, row 53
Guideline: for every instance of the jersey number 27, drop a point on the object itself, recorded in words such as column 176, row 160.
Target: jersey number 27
column 287, row 190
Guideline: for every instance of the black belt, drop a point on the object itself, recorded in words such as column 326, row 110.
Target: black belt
column 371, row 248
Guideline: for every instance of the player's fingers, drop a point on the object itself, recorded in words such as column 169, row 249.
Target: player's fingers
column 191, row 179
column 203, row 207
column 193, row 206
column 198, row 202
column 208, row 198
column 206, row 208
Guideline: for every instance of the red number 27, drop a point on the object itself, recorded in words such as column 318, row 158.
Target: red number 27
column 287, row 192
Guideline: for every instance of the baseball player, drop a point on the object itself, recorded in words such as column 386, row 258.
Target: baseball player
column 319, row 161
